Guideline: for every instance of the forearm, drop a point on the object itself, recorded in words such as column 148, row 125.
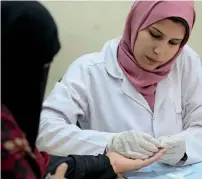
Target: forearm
column 59, row 138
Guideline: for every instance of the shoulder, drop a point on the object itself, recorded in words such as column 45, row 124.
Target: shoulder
column 80, row 70
column 188, row 59
column 106, row 57
column 88, row 60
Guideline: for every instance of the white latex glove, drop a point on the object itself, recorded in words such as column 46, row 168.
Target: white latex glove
column 176, row 149
column 134, row 145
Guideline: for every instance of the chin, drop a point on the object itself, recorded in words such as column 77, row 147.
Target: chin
column 148, row 67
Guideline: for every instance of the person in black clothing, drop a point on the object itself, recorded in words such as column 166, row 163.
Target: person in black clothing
column 29, row 44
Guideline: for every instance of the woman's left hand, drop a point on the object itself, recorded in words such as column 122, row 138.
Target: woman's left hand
column 60, row 172
column 122, row 164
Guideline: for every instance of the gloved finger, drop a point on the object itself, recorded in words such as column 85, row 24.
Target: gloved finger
column 169, row 144
column 135, row 155
column 130, row 146
column 137, row 139
column 151, row 139
column 148, row 146
column 146, row 152
column 174, row 150
column 171, row 140
column 110, row 148
column 115, row 144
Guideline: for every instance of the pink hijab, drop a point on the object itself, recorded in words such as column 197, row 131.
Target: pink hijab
column 142, row 15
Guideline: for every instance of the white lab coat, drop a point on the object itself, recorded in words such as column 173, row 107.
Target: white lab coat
column 95, row 92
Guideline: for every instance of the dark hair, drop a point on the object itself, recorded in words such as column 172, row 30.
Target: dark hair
column 182, row 21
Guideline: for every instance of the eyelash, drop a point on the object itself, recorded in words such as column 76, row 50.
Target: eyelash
column 159, row 36
column 155, row 36
column 174, row 43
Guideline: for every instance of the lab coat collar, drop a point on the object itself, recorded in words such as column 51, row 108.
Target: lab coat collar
column 113, row 68
column 111, row 61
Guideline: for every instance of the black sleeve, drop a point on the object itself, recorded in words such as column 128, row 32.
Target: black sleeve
column 84, row 167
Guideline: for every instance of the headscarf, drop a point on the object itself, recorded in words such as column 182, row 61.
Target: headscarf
column 29, row 43
column 142, row 15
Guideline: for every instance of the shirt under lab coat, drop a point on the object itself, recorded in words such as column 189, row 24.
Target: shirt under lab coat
column 95, row 92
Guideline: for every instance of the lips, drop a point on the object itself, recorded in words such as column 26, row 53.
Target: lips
column 150, row 60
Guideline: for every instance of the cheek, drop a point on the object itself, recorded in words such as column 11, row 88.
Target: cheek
column 171, row 53
column 142, row 45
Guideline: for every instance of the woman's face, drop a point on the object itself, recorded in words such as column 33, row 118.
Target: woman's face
column 158, row 43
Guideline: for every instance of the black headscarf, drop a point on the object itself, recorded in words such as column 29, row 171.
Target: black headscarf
column 29, row 43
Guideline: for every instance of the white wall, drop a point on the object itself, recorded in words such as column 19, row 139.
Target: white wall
column 86, row 25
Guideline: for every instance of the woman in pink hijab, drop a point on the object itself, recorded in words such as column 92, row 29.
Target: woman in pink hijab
column 145, row 54
column 142, row 90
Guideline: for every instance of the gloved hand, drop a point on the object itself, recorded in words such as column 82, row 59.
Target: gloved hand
column 176, row 149
column 134, row 145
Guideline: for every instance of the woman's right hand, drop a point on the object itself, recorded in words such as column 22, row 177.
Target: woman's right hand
column 134, row 145
column 122, row 164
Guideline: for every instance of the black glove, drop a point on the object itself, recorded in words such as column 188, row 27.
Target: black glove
column 84, row 167
column 91, row 167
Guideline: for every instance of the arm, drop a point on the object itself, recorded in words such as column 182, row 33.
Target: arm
column 68, row 103
column 101, row 166
column 192, row 109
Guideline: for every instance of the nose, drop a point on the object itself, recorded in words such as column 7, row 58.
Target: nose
column 159, row 49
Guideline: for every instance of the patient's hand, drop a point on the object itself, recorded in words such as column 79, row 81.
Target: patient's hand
column 122, row 164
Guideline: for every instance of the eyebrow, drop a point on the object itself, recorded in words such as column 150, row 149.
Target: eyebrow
column 164, row 34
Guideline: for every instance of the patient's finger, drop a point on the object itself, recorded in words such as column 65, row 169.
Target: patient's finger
column 155, row 158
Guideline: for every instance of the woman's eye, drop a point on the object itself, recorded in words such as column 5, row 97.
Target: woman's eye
column 155, row 36
column 174, row 43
